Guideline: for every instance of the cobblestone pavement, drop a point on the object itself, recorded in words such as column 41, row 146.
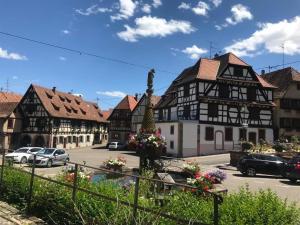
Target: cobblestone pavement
column 11, row 216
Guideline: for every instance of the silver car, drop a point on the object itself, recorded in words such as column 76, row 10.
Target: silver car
column 50, row 156
column 22, row 155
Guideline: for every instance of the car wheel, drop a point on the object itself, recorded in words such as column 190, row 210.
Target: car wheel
column 293, row 180
column 251, row 172
column 23, row 160
column 49, row 163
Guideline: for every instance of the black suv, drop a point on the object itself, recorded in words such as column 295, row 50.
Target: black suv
column 292, row 169
column 252, row 164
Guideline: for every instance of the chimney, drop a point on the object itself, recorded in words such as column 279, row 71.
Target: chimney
column 263, row 72
column 54, row 89
column 136, row 97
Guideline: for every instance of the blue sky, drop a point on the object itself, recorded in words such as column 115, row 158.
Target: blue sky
column 168, row 35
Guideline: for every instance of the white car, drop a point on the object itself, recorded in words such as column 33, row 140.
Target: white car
column 22, row 155
column 49, row 157
column 115, row 146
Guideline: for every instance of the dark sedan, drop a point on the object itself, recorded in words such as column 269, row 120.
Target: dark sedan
column 292, row 169
column 252, row 164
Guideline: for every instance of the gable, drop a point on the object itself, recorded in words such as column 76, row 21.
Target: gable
column 237, row 72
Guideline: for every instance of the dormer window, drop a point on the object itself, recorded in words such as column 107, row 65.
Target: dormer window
column 82, row 111
column 77, row 101
column 49, row 95
column 62, row 98
column 74, row 110
column 56, row 107
column 68, row 109
column 68, row 100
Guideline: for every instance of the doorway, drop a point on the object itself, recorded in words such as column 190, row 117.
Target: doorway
column 219, row 140
column 252, row 137
column 54, row 143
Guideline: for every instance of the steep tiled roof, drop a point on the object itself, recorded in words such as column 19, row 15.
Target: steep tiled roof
column 65, row 105
column 8, row 103
column 282, row 78
column 155, row 100
column 128, row 102
column 106, row 114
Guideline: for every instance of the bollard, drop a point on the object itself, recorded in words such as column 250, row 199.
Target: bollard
column 217, row 200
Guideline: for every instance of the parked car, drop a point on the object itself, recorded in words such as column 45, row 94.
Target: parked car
column 252, row 164
column 22, row 155
column 115, row 146
column 50, row 156
column 292, row 169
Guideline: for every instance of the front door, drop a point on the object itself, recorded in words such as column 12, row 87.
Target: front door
column 54, row 142
column 65, row 142
column 77, row 141
column 219, row 140
column 252, row 137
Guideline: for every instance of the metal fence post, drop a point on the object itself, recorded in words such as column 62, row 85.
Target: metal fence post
column 2, row 166
column 31, row 184
column 217, row 200
column 75, row 183
column 136, row 190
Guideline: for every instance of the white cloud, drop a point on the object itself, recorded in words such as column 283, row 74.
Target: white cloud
column 201, row 9
column 65, row 31
column 156, row 3
column 239, row 14
column 270, row 37
column 146, row 8
column 148, row 26
column 93, row 10
column 118, row 94
column 62, row 58
column 194, row 52
column 13, row 56
column 127, row 9
column 216, row 3
column 184, row 5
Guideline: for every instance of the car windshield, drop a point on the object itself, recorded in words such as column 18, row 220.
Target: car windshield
column 21, row 150
column 35, row 150
column 46, row 151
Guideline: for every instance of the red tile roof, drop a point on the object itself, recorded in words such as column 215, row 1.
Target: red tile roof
column 128, row 102
column 8, row 103
column 65, row 105
column 106, row 114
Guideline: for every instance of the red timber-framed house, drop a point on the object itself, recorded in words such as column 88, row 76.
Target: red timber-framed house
column 120, row 120
column 57, row 119
column 10, row 120
column 214, row 104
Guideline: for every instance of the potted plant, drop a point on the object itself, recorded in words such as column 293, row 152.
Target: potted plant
column 115, row 164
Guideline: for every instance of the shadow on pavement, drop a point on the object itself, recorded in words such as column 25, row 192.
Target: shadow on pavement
column 290, row 183
column 258, row 176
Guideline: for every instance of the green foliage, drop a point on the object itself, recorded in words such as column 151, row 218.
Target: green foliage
column 246, row 145
column 295, row 139
column 54, row 204
column 280, row 147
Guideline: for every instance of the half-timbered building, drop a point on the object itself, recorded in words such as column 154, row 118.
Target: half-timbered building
column 120, row 120
column 57, row 119
column 287, row 99
column 214, row 104
column 10, row 120
column 139, row 111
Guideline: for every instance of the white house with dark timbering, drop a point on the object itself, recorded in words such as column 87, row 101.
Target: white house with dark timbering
column 214, row 104
column 51, row 118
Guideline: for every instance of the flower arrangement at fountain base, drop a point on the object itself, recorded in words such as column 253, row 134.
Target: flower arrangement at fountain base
column 149, row 146
column 115, row 164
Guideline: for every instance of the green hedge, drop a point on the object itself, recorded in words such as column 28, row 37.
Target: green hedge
column 53, row 203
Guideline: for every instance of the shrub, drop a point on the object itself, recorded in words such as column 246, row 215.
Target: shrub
column 246, row 145
column 280, row 147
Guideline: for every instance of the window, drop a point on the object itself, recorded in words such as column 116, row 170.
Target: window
column 74, row 139
column 88, row 138
column 55, row 106
column 61, row 140
column 69, row 139
column 62, row 98
column 10, row 123
column 223, row 91
column 186, row 112
column 228, row 133
column 238, row 71
column 82, row 111
column 251, row 94
column 262, row 134
column 172, row 129
column 243, row 134
column 212, row 110
column 171, row 144
column 186, row 90
column 254, row 113
column 209, row 133
column 81, row 139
